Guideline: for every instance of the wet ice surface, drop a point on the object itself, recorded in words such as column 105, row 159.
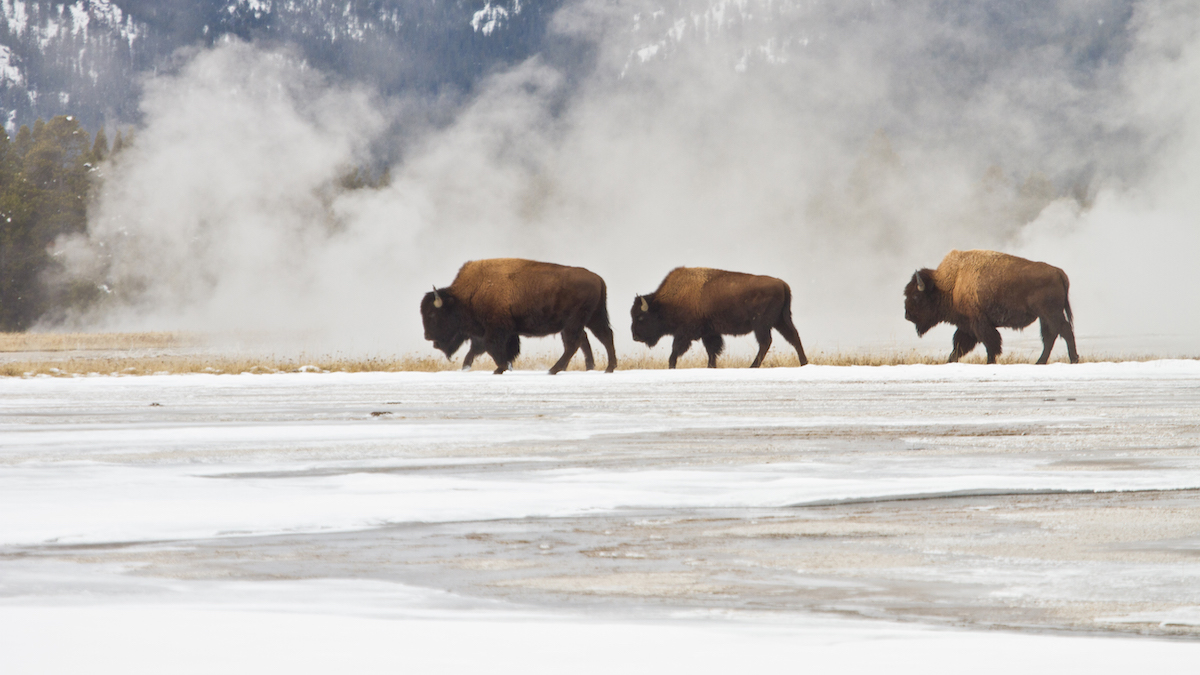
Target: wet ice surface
column 810, row 508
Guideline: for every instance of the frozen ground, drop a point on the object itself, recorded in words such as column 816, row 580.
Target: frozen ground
column 892, row 519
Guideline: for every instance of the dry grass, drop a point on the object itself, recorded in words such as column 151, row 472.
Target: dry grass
column 82, row 354
column 61, row 342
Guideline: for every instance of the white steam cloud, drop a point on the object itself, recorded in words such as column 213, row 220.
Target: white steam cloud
column 838, row 148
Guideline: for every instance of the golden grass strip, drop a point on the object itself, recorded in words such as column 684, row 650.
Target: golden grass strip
column 60, row 342
column 67, row 365
column 82, row 354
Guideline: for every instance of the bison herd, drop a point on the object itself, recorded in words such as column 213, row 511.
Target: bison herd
column 493, row 303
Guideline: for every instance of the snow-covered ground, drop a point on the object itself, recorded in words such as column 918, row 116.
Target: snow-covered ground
column 897, row 519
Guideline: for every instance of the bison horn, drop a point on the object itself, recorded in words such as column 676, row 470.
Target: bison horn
column 437, row 299
column 920, row 282
column 645, row 305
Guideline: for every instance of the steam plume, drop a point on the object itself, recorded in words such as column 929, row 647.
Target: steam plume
column 836, row 147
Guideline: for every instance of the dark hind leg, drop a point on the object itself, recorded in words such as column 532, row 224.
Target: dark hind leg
column 788, row 330
column 678, row 348
column 572, row 338
column 714, row 344
column 1068, row 334
column 603, row 332
column 964, row 342
column 1049, row 335
column 589, row 361
column 764, row 343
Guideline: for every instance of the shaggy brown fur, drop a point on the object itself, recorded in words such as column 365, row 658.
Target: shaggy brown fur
column 980, row 291
column 699, row 303
column 494, row 302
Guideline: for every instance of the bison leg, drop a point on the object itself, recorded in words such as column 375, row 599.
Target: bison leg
column 990, row 337
column 571, row 341
column 678, row 348
column 503, row 349
column 1049, row 335
column 513, row 349
column 589, row 361
column 764, row 343
column 788, row 330
column 475, row 350
column 1068, row 333
column 714, row 344
column 964, row 342
column 603, row 332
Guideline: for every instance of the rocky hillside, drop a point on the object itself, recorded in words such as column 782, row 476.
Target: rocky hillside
column 85, row 58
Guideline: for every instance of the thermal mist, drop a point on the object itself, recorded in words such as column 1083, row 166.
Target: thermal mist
column 837, row 148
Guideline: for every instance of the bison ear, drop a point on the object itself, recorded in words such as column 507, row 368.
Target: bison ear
column 920, row 281
column 437, row 299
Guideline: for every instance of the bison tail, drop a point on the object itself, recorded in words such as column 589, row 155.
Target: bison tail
column 600, row 318
column 1067, row 299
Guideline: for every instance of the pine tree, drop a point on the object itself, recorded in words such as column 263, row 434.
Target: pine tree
column 100, row 147
column 24, row 141
column 44, row 182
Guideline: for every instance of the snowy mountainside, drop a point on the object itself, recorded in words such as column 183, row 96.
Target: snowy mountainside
column 85, row 57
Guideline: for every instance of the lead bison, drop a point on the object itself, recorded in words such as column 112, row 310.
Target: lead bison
column 980, row 291
column 494, row 302
column 700, row 303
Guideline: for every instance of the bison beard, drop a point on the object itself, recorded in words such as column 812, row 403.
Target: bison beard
column 980, row 291
column 494, row 302
column 698, row 303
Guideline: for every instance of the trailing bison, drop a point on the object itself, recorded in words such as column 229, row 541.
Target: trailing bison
column 980, row 291
column 494, row 302
column 700, row 303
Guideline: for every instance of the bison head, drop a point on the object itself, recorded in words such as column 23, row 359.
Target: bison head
column 921, row 304
column 440, row 313
column 648, row 325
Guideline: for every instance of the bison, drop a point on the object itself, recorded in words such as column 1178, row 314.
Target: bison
column 980, row 291
column 494, row 302
column 701, row 303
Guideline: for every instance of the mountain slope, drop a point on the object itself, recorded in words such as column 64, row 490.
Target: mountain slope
column 85, row 57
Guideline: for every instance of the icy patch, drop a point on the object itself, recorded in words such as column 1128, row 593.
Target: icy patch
column 1183, row 616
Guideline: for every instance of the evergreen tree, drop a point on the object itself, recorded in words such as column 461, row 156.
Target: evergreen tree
column 44, row 184
column 20, row 258
column 100, row 147
column 24, row 140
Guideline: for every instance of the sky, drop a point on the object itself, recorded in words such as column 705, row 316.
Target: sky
column 836, row 147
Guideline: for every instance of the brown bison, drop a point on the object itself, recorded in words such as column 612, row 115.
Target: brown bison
column 494, row 302
column 980, row 291
column 701, row 303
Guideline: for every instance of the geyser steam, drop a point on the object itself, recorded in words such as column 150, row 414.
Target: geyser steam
column 837, row 148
